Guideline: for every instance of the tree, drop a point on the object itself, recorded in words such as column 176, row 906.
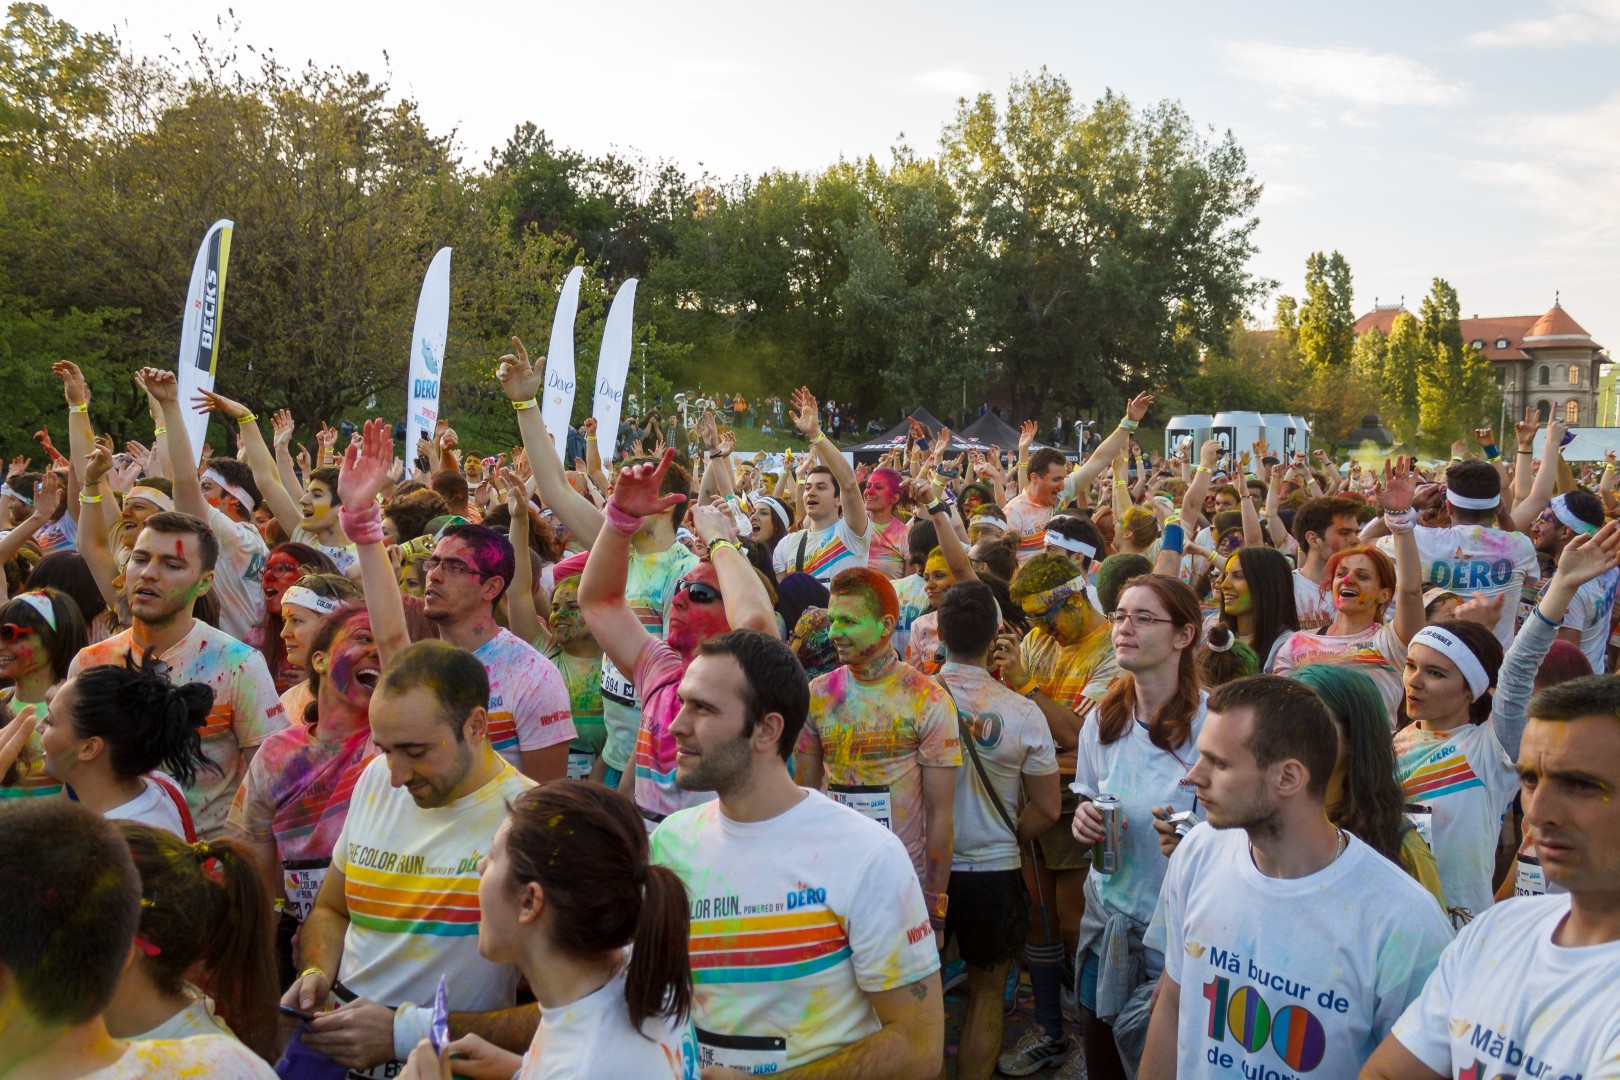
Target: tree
column 1327, row 317
column 1398, row 384
column 1456, row 390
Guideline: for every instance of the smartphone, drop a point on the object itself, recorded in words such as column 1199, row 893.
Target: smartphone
column 288, row 1010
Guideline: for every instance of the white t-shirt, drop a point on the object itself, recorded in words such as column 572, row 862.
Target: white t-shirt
column 528, row 699
column 344, row 557
column 1375, row 652
column 1505, row 994
column 795, row 921
column 1141, row 776
column 201, row 1055
column 826, row 551
column 1010, row 734
column 1591, row 612
column 239, row 574
column 1467, row 779
column 246, row 709
column 1296, row 977
column 411, row 883
column 153, row 806
column 1028, row 518
column 1476, row 560
column 913, row 597
column 593, row 1037
column 198, row 1018
column 1312, row 603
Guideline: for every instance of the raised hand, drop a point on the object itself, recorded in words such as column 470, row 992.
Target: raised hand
column 161, row 386
column 805, row 418
column 74, row 388
column 48, row 495
column 98, row 462
column 206, row 401
column 1525, row 430
column 1485, row 437
column 326, row 438
column 1590, row 555
column 519, row 378
column 281, row 427
column 1400, row 483
column 43, row 437
column 1138, row 406
column 305, row 464
column 19, row 465
column 1209, row 454
column 1480, row 609
column 636, row 492
column 713, row 523
column 1026, row 437
column 1556, row 429
column 363, row 471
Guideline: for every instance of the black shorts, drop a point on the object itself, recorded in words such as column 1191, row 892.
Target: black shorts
column 988, row 915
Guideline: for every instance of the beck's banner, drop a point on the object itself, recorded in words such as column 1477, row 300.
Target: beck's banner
column 557, row 392
column 612, row 366
column 200, row 326
column 427, row 354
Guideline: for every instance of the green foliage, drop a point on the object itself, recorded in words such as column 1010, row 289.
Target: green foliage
column 1327, row 317
column 1456, row 390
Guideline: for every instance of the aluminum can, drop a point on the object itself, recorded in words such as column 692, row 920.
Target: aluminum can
column 1105, row 853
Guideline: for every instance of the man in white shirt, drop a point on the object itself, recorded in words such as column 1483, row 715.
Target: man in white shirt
column 1298, row 944
column 1527, row 988
column 1587, row 622
column 837, row 535
column 1323, row 526
column 810, row 941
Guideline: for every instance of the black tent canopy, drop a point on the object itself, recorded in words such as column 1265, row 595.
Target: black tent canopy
column 894, row 438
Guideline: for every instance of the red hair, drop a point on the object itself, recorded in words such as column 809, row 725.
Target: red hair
column 869, row 585
column 1383, row 566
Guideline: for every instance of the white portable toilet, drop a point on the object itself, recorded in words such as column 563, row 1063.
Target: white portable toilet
column 1237, row 431
column 1286, row 435
column 1302, row 435
column 1191, row 429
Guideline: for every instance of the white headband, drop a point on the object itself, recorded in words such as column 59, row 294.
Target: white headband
column 309, row 600
column 778, row 509
column 7, row 489
column 1058, row 540
column 41, row 605
column 1469, row 503
column 238, row 493
column 1564, row 514
column 1451, row 647
column 151, row 495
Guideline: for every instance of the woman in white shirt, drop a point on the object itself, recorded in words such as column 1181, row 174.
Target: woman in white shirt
column 566, row 893
column 109, row 730
column 209, row 924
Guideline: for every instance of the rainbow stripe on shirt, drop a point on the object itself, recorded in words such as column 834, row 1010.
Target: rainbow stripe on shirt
column 819, row 563
column 767, row 948
column 405, row 902
column 1439, row 777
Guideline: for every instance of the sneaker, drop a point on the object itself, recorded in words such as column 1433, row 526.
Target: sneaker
column 1034, row 1052
column 953, row 974
column 1075, row 1067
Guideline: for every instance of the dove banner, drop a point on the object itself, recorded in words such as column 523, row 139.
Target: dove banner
column 612, row 366
column 557, row 392
column 200, row 326
column 427, row 352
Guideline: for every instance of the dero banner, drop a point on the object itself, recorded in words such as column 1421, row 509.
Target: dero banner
column 200, row 326
column 557, row 393
column 427, row 353
column 612, row 365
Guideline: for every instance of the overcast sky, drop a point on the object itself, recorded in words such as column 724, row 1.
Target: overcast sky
column 1478, row 141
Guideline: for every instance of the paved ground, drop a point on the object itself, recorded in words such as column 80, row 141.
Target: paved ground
column 1022, row 1019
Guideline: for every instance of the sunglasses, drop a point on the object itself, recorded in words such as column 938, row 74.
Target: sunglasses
column 10, row 632
column 698, row 592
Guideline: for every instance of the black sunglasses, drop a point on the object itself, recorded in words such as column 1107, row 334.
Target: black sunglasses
column 698, row 592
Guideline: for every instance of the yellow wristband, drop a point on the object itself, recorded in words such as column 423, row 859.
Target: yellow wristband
column 1029, row 688
column 1202, row 468
column 590, row 438
column 160, row 431
column 522, row 405
column 247, row 419
column 732, row 544
column 819, row 436
column 311, row 970
column 79, row 408
column 89, row 498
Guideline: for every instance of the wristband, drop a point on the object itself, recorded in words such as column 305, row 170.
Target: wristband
column 819, row 436
column 938, row 904
column 1543, row 618
column 590, row 438
column 1029, row 688
column 722, row 542
column 411, row 1023
column 625, row 524
column 1491, row 452
column 1175, row 537
column 940, row 507
column 311, row 970
column 89, row 498
column 84, row 408
column 1128, row 424
column 520, row 406
column 1526, row 450
column 1202, row 468
column 160, row 431
column 362, row 524
column 246, row 419
column 1400, row 522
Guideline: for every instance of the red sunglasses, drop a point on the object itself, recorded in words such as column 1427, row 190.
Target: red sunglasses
column 10, row 632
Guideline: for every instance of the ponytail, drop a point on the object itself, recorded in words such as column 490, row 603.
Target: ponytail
column 587, row 848
column 145, row 720
column 205, row 914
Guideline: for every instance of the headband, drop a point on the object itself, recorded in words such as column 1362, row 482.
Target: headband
column 1045, row 601
column 309, row 600
column 1470, row 503
column 7, row 489
column 777, row 509
column 1058, row 540
column 41, row 605
column 238, row 493
column 1451, row 647
column 1561, row 510
column 151, row 495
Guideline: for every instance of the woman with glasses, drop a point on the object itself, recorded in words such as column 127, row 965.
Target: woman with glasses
column 1364, row 582
column 1139, row 751
column 40, row 634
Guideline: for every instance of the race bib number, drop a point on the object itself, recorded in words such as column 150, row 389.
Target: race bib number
column 1530, row 878
column 1422, row 819
column 760, row 1055
column 302, row 882
column 871, row 801
column 580, row 763
column 615, row 686
column 386, row 1071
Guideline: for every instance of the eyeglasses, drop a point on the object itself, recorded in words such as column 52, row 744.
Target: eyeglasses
column 451, row 566
column 10, row 632
column 1140, row 619
column 698, row 592
column 1046, row 617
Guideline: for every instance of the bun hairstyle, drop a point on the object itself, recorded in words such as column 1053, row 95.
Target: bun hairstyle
column 586, row 847
column 145, row 720
column 1223, row 658
column 211, row 924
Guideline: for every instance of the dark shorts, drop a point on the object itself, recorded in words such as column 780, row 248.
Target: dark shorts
column 1059, row 849
column 988, row 915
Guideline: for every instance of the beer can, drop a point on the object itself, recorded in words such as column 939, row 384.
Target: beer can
column 1105, row 853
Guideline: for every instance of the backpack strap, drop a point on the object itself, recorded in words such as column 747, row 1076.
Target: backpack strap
column 972, row 749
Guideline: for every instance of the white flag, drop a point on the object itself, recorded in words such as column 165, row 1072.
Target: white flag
column 200, row 327
column 612, row 366
column 427, row 354
column 557, row 392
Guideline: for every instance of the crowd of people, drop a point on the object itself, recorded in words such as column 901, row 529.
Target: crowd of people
column 346, row 765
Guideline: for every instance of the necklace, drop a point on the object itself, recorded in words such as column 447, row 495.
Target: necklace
column 1341, row 842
